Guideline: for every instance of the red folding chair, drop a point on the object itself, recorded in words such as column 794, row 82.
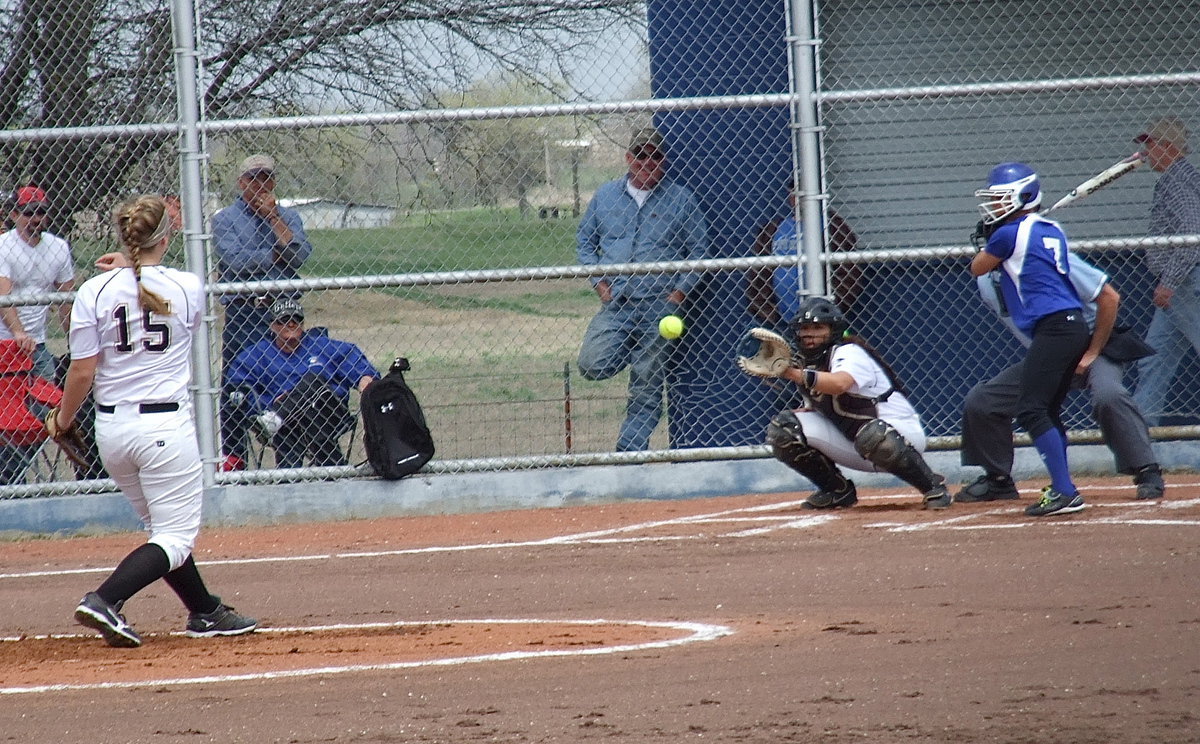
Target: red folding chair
column 20, row 389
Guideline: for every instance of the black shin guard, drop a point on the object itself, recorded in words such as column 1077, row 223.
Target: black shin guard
column 786, row 438
column 879, row 443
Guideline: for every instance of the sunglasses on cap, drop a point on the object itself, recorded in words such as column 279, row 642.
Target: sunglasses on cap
column 648, row 154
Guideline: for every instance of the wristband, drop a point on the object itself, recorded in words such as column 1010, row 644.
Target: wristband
column 810, row 378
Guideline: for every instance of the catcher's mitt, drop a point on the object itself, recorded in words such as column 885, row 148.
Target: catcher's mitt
column 773, row 357
column 69, row 440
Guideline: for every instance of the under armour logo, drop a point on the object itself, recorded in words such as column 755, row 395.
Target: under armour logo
column 160, row 443
column 389, row 406
column 1071, row 316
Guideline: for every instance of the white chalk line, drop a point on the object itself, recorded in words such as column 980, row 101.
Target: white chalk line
column 580, row 537
column 698, row 632
column 611, row 535
column 961, row 522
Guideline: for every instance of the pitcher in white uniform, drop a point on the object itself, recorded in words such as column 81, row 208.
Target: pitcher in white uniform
column 131, row 338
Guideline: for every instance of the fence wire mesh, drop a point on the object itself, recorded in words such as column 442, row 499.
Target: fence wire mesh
column 433, row 170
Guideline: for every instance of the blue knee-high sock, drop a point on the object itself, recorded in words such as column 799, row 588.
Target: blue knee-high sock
column 1052, row 446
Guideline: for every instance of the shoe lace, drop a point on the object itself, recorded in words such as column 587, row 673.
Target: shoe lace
column 1047, row 496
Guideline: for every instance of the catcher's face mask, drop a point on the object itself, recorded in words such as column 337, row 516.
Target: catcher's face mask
column 814, row 340
column 814, row 336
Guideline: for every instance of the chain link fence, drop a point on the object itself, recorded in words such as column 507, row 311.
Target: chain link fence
column 437, row 168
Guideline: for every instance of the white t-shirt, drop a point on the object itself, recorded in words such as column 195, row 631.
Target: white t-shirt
column 144, row 358
column 639, row 195
column 34, row 269
column 871, row 380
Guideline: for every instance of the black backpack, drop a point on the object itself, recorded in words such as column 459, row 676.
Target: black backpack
column 395, row 434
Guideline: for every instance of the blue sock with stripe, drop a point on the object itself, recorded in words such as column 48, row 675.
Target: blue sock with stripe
column 1052, row 446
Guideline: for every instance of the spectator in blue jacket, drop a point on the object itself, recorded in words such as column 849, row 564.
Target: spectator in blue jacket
column 255, row 240
column 298, row 385
column 640, row 217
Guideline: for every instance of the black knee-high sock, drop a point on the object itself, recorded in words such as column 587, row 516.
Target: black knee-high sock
column 141, row 568
column 187, row 583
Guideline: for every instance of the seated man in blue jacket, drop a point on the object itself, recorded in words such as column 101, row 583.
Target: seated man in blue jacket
column 298, row 384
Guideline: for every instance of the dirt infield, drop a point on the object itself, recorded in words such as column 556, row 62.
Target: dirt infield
column 740, row 619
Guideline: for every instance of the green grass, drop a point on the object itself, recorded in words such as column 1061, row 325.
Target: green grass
column 445, row 241
column 460, row 240
column 576, row 302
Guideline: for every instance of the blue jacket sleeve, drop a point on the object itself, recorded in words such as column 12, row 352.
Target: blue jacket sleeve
column 587, row 240
column 243, row 373
column 237, row 247
column 295, row 253
column 353, row 366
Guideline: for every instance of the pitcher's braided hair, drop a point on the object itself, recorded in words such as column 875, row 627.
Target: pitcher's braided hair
column 141, row 223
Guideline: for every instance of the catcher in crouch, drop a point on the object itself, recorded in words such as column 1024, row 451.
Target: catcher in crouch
column 854, row 414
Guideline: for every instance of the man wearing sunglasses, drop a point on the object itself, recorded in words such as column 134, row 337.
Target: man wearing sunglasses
column 32, row 261
column 256, row 239
column 641, row 217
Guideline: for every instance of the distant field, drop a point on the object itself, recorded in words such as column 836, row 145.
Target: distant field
column 488, row 359
column 445, row 241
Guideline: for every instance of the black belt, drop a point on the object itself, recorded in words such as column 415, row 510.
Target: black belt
column 143, row 408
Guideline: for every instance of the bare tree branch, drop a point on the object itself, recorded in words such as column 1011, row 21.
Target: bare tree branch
column 94, row 62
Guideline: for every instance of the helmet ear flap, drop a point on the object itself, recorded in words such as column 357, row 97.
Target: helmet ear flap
column 1012, row 187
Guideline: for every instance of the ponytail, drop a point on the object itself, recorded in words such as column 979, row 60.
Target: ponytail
column 141, row 224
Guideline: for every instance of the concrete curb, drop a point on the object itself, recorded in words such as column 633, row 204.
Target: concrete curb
column 526, row 489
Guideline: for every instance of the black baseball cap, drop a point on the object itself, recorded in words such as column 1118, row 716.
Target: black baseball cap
column 286, row 309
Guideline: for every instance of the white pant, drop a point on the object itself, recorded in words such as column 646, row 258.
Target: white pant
column 155, row 460
column 823, row 436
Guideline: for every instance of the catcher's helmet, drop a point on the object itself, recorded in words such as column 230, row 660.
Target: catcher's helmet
column 821, row 311
column 1012, row 187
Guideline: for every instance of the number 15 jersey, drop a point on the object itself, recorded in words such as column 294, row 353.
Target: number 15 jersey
column 144, row 357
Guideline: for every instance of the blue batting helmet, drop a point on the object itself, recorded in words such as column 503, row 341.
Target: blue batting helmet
column 1012, row 187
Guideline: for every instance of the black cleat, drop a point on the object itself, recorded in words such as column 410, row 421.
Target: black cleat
column 1053, row 502
column 93, row 612
column 831, row 499
column 937, row 498
column 223, row 621
column 988, row 488
column 1149, row 482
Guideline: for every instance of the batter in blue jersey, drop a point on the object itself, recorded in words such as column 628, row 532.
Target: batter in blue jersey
column 1035, row 283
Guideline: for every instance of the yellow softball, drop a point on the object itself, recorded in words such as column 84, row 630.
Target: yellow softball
column 671, row 326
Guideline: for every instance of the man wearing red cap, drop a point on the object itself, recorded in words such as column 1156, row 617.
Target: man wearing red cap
column 31, row 261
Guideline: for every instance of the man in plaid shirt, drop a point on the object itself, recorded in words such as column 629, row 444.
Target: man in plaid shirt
column 1174, row 210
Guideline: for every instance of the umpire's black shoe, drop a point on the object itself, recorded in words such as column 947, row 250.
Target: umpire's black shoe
column 223, row 621
column 93, row 612
column 832, row 499
column 1149, row 482
column 988, row 488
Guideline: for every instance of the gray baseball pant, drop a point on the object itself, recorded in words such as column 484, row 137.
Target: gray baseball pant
column 990, row 406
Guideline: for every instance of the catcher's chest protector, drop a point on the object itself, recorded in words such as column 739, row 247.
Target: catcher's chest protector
column 395, row 434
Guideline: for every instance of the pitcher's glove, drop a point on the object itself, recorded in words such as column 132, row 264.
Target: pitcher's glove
column 773, row 357
column 69, row 440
